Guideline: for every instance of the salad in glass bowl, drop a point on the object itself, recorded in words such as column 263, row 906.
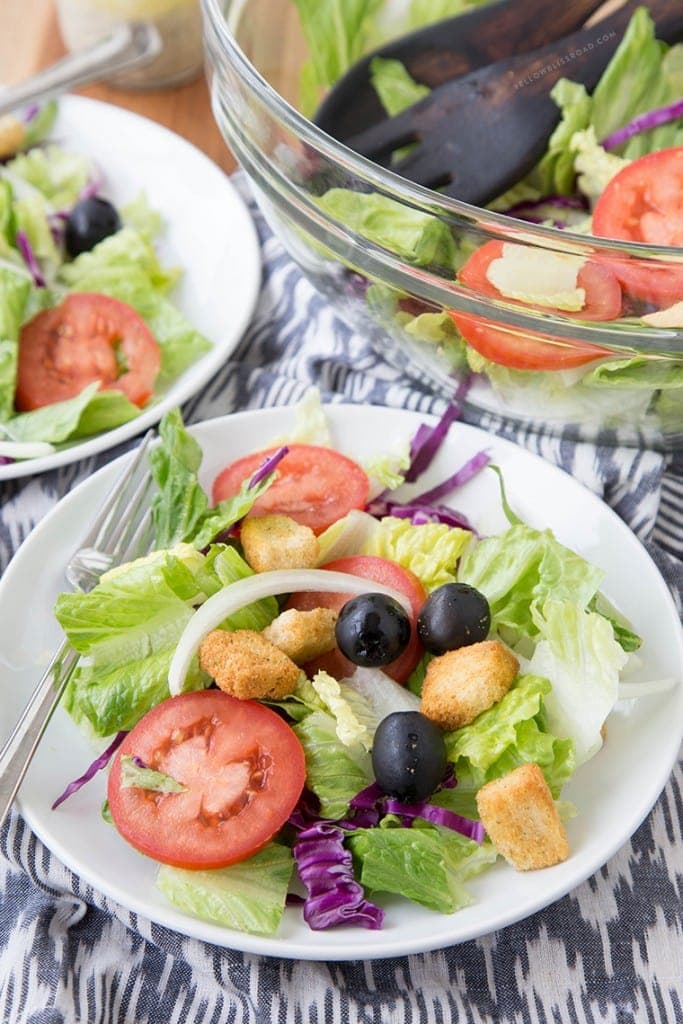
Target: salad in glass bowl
column 559, row 302
column 323, row 690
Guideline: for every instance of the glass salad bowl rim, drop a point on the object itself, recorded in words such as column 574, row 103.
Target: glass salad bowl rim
column 407, row 192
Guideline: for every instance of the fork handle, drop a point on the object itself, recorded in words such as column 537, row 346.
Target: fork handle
column 130, row 45
column 19, row 749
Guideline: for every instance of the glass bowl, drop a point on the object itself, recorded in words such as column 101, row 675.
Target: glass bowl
column 400, row 290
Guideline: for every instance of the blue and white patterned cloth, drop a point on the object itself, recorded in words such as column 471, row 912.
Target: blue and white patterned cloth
column 609, row 953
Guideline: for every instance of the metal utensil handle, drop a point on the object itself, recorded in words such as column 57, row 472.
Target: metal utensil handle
column 17, row 752
column 129, row 45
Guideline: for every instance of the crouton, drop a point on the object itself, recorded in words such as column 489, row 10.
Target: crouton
column 12, row 135
column 521, row 819
column 303, row 635
column 248, row 666
column 278, row 542
column 460, row 684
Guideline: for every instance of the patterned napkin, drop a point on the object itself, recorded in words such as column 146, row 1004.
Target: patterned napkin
column 609, row 953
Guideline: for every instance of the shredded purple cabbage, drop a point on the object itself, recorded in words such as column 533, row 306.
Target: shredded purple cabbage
column 564, row 202
column 5, row 460
column 412, row 510
column 268, row 465
column 30, row 113
column 438, row 816
column 428, row 440
column 93, row 186
column 100, row 762
column 325, row 868
column 457, row 479
column 24, row 247
column 643, row 123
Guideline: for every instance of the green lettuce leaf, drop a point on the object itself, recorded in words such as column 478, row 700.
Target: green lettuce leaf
column 394, row 86
column 425, row 864
column 518, row 570
column 180, row 509
column 88, row 413
column 133, row 776
column 14, row 294
column 57, row 174
column 248, row 896
column 430, row 551
column 334, row 772
column 512, row 732
column 415, row 236
column 40, row 126
column 579, row 652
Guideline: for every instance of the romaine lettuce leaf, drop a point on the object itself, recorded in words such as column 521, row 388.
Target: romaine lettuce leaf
column 425, row 864
column 430, row 551
column 88, row 413
column 356, row 721
column 394, row 86
column 248, row 896
column 579, row 652
column 57, row 174
column 415, row 236
column 334, row 772
column 512, row 732
column 15, row 289
column 518, row 570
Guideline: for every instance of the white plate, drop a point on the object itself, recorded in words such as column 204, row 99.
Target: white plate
column 613, row 792
column 209, row 234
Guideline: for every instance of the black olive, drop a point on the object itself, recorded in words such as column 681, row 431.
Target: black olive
column 408, row 756
column 372, row 630
column 89, row 222
column 455, row 615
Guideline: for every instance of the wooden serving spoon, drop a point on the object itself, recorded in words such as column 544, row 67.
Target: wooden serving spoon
column 476, row 136
column 448, row 49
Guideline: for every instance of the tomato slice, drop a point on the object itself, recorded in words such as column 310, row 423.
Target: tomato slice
column 87, row 337
column 241, row 764
column 316, row 486
column 533, row 351
column 377, row 570
column 644, row 203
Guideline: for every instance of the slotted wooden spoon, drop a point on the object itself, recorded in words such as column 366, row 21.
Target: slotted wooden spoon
column 476, row 136
column 448, row 49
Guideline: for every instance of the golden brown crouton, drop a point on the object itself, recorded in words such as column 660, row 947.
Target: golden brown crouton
column 247, row 665
column 460, row 684
column 12, row 135
column 521, row 819
column 278, row 542
column 303, row 635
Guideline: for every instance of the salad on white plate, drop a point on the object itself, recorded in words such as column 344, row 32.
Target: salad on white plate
column 104, row 279
column 328, row 687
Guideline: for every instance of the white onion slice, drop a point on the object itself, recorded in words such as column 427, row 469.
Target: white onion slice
column 26, row 449
column 263, row 584
column 383, row 694
column 632, row 691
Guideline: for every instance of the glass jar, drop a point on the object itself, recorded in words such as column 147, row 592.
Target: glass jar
column 178, row 22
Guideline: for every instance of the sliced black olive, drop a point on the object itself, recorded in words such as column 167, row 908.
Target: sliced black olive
column 372, row 630
column 408, row 756
column 455, row 615
column 90, row 221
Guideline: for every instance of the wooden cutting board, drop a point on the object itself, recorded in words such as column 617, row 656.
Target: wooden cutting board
column 30, row 39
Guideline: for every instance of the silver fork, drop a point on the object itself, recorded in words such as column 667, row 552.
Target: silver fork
column 122, row 530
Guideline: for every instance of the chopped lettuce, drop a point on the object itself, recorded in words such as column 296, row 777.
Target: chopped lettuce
column 88, row 413
column 334, row 772
column 15, row 289
column 514, row 731
column 426, row 864
column 593, row 164
column 128, row 626
column 180, row 509
column 430, row 551
column 356, row 722
column 311, row 425
column 412, row 235
column 249, row 896
column 135, row 776
column 394, row 86
column 387, row 468
column 519, row 570
column 579, row 652
column 56, row 174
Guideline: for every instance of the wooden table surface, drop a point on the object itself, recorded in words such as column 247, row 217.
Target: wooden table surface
column 29, row 40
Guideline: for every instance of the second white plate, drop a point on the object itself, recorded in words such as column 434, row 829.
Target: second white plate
column 209, row 233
